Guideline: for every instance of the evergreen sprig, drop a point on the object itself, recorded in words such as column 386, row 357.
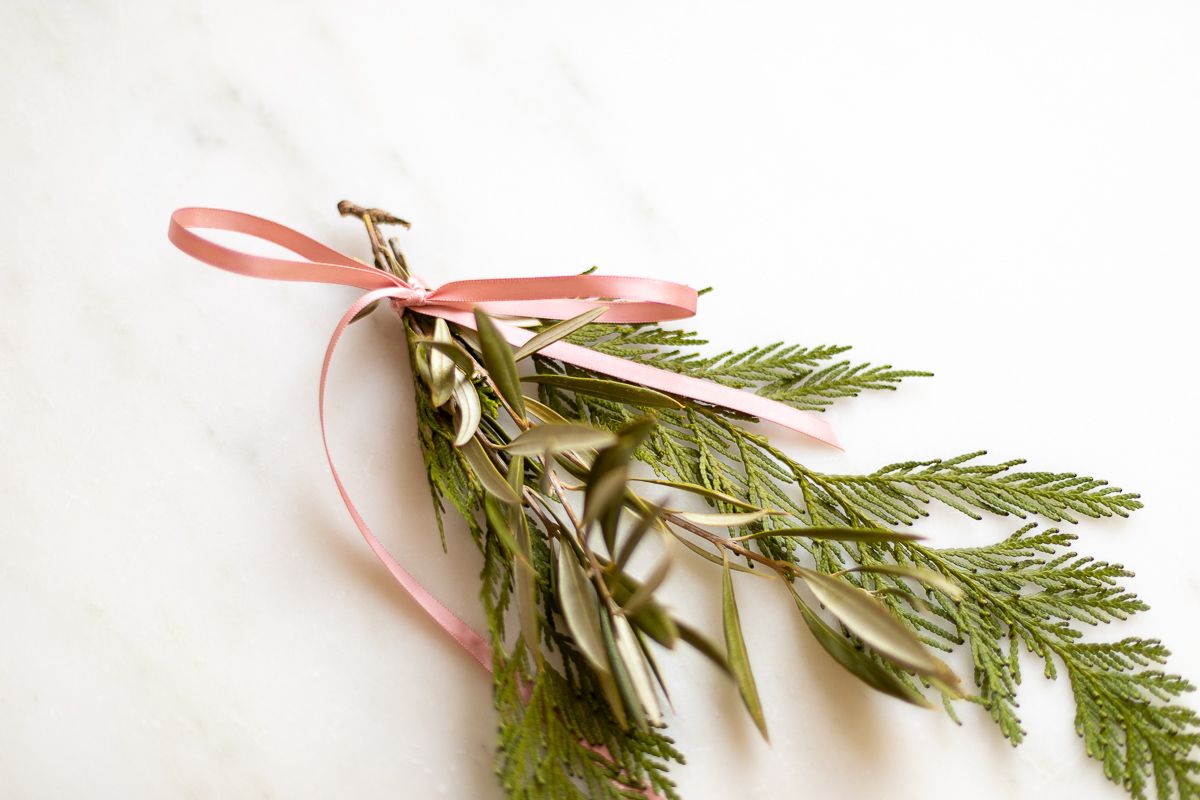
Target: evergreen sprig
column 790, row 374
column 547, row 489
column 1025, row 591
column 897, row 493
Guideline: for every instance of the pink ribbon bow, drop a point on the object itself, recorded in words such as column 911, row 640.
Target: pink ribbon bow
column 626, row 300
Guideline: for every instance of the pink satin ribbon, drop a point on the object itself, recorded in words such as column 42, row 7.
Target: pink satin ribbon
column 626, row 300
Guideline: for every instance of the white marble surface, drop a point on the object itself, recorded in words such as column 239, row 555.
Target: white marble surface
column 1005, row 196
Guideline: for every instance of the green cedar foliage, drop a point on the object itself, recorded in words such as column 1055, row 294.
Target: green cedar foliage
column 576, row 726
column 1028, row 591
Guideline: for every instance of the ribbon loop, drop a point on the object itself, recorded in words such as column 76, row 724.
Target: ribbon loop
column 322, row 265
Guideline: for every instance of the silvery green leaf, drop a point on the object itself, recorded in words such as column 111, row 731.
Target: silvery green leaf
column 498, row 524
column 486, row 473
column 498, row 360
column 441, row 368
column 605, row 491
column 612, row 696
column 609, row 390
column 651, row 618
column 928, row 577
column 556, row 332
column 840, row 534
column 556, row 437
column 645, row 592
column 704, row 491
column 524, row 578
column 869, row 620
column 620, row 674
column 702, row 645
column 644, row 646
column 647, row 520
column 466, row 400
column 856, row 662
column 544, row 412
column 733, row 519
column 451, row 350
column 735, row 648
column 716, row 559
column 581, row 609
column 637, row 668
column 367, row 311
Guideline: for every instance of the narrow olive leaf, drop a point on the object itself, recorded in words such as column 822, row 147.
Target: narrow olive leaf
column 954, row 691
column 608, row 390
column 466, row 400
column 544, row 412
column 486, row 473
column 655, row 622
column 733, row 519
column 441, row 368
column 620, row 675
column 516, row 474
column 934, row 580
column 645, row 522
column 555, row 438
column 604, row 492
column 855, row 661
column 498, row 361
column 704, row 646
column 735, row 647
column 644, row 646
column 370, row 308
column 471, row 338
column 634, row 433
column 871, row 535
column 556, row 332
column 651, row 618
column 498, row 525
column 645, row 592
column 612, row 696
column 451, row 351
column 547, row 466
column 711, row 494
column 904, row 595
column 869, row 620
column 716, row 559
column 526, row 590
column 419, row 358
column 581, row 609
column 608, row 477
column 638, row 669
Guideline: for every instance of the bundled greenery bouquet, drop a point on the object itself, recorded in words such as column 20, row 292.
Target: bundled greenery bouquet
column 564, row 475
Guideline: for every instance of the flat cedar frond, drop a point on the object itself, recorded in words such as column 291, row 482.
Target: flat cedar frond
column 1027, row 591
column 897, row 493
column 788, row 373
